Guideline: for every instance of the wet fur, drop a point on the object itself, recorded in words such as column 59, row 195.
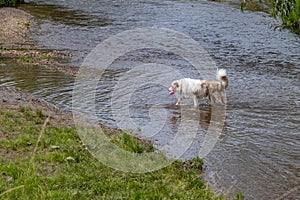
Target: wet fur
column 197, row 89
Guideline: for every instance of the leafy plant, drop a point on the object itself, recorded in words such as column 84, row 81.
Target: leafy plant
column 10, row 2
column 287, row 10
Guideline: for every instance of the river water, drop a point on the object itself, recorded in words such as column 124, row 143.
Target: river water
column 258, row 153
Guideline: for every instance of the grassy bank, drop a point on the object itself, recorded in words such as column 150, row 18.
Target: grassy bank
column 43, row 161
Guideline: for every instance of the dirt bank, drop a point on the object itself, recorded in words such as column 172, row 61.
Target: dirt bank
column 11, row 99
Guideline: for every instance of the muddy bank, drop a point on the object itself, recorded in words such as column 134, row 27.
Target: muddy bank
column 11, row 99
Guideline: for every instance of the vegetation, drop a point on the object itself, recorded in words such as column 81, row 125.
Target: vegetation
column 43, row 161
column 44, row 57
column 10, row 2
column 27, row 25
column 239, row 196
column 3, row 48
column 289, row 12
column 25, row 59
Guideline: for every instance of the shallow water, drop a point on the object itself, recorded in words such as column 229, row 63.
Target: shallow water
column 52, row 86
column 258, row 151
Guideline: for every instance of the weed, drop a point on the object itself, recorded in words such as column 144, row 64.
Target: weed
column 25, row 59
column 39, row 113
column 3, row 48
column 239, row 196
column 27, row 25
column 44, row 57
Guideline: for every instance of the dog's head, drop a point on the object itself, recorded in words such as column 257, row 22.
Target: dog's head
column 174, row 87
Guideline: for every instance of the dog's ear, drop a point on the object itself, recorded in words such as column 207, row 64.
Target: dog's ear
column 203, row 85
column 175, row 83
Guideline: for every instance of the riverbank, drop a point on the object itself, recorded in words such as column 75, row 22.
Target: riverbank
column 42, row 156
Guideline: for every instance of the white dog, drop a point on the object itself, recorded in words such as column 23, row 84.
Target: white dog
column 197, row 89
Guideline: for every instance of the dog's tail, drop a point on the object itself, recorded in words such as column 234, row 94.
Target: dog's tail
column 222, row 77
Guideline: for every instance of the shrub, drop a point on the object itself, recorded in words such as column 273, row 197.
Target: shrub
column 289, row 12
column 10, row 2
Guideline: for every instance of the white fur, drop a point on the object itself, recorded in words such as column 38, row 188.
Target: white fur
column 197, row 89
column 221, row 73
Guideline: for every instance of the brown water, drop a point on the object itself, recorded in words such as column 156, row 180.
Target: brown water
column 259, row 150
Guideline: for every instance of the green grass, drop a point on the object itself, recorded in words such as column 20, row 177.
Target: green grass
column 44, row 57
column 27, row 25
column 239, row 196
column 60, row 167
column 3, row 48
column 25, row 59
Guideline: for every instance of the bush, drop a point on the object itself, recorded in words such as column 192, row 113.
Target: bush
column 289, row 12
column 10, row 2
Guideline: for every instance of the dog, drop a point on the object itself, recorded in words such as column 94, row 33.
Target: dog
column 197, row 89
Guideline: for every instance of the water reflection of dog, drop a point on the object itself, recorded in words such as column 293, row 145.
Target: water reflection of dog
column 201, row 116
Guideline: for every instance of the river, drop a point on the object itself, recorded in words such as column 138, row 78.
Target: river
column 258, row 153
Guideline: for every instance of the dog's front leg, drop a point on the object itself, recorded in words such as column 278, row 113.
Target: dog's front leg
column 195, row 101
column 178, row 101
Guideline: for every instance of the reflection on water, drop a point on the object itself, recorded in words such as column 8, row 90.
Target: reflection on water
column 54, row 87
column 258, row 151
column 63, row 15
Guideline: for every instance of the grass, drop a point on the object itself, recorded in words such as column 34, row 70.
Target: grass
column 44, row 57
column 27, row 25
column 25, row 59
column 43, row 161
column 239, row 196
column 3, row 48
